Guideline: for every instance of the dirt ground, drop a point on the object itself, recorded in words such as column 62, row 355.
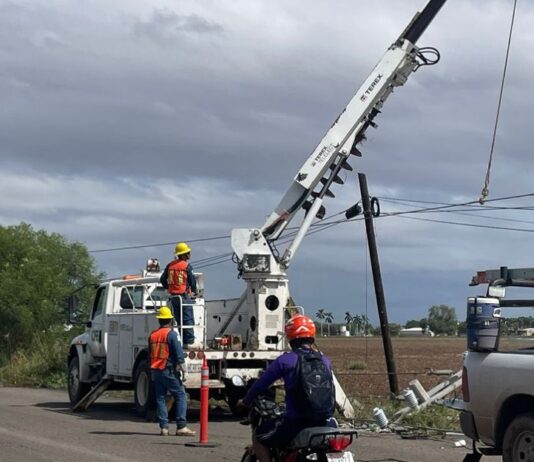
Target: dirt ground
column 360, row 366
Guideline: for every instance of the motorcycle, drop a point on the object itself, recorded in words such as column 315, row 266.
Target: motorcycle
column 320, row 444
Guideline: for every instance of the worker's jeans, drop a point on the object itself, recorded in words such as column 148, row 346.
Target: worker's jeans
column 165, row 381
column 189, row 319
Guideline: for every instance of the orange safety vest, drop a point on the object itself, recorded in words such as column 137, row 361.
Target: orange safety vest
column 177, row 277
column 159, row 348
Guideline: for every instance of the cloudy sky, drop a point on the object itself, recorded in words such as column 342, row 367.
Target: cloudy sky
column 153, row 121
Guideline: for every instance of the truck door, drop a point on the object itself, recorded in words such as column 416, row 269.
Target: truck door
column 96, row 342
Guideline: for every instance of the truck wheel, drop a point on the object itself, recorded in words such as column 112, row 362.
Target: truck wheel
column 249, row 456
column 518, row 443
column 233, row 395
column 77, row 388
column 145, row 399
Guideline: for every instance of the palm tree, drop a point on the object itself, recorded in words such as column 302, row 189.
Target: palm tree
column 320, row 316
column 365, row 323
column 358, row 322
column 329, row 318
column 349, row 319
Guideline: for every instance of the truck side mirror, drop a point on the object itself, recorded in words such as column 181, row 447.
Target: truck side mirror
column 72, row 305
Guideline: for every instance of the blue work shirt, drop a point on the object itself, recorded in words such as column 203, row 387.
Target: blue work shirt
column 284, row 367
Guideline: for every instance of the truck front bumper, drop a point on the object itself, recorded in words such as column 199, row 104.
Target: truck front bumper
column 467, row 422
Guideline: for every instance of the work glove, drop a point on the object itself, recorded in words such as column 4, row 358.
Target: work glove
column 181, row 372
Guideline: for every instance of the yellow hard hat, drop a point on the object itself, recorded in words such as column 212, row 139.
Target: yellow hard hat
column 164, row 313
column 181, row 248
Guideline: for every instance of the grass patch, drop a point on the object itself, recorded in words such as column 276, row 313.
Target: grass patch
column 44, row 364
column 357, row 366
column 433, row 417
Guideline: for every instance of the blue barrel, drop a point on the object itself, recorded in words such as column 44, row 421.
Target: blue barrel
column 483, row 322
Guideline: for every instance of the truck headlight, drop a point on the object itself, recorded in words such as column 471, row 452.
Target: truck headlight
column 238, row 381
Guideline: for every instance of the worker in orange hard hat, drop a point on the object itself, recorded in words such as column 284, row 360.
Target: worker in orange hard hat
column 309, row 387
column 179, row 280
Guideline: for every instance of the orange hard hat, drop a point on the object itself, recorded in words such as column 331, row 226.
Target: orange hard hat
column 300, row 326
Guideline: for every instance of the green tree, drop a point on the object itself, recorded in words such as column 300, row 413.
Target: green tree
column 38, row 270
column 329, row 319
column 320, row 316
column 423, row 323
column 365, row 324
column 442, row 319
column 394, row 328
column 358, row 322
column 412, row 323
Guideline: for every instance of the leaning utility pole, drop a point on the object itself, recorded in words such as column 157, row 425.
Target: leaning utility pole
column 379, row 288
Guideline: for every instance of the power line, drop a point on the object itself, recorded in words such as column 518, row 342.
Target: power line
column 474, row 209
column 324, row 224
column 141, row 246
column 472, row 225
column 485, row 189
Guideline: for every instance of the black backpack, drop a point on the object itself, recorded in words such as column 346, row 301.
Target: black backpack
column 313, row 392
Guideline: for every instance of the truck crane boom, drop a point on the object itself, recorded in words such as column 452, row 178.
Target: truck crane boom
column 258, row 262
column 340, row 141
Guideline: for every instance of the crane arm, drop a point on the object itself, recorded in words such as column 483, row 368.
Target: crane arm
column 320, row 170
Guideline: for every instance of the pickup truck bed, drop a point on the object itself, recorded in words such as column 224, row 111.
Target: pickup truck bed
column 498, row 393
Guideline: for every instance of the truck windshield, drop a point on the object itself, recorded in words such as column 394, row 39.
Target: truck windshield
column 139, row 297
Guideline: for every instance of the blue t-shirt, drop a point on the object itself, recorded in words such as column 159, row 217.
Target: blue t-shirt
column 283, row 367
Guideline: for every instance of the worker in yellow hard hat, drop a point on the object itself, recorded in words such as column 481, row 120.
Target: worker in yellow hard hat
column 168, row 372
column 179, row 280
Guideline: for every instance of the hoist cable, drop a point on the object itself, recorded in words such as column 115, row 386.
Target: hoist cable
column 485, row 191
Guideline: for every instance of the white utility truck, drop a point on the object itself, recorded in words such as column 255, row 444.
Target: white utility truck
column 240, row 336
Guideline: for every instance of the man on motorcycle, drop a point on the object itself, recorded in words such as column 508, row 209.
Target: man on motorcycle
column 300, row 331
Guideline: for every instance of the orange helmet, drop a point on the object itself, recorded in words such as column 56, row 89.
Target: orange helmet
column 300, row 326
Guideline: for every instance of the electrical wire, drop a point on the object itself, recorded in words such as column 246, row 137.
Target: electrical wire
column 326, row 224
column 141, row 246
column 471, row 225
column 474, row 209
column 485, row 191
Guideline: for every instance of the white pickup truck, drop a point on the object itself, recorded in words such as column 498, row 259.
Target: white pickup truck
column 498, row 380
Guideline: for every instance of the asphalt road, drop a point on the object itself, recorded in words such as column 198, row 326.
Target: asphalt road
column 36, row 425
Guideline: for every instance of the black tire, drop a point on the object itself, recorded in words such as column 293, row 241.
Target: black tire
column 144, row 396
column 248, row 456
column 518, row 443
column 233, row 395
column 76, row 388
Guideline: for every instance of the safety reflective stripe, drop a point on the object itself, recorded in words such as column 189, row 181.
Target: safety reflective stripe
column 177, row 277
column 204, row 377
column 159, row 348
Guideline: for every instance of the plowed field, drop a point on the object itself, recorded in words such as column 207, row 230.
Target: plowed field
column 361, row 368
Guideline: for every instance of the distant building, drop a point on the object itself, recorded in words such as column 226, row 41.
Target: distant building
column 527, row 332
column 416, row 332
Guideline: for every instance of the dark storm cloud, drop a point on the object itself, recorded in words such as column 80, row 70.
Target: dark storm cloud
column 146, row 122
column 166, row 24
